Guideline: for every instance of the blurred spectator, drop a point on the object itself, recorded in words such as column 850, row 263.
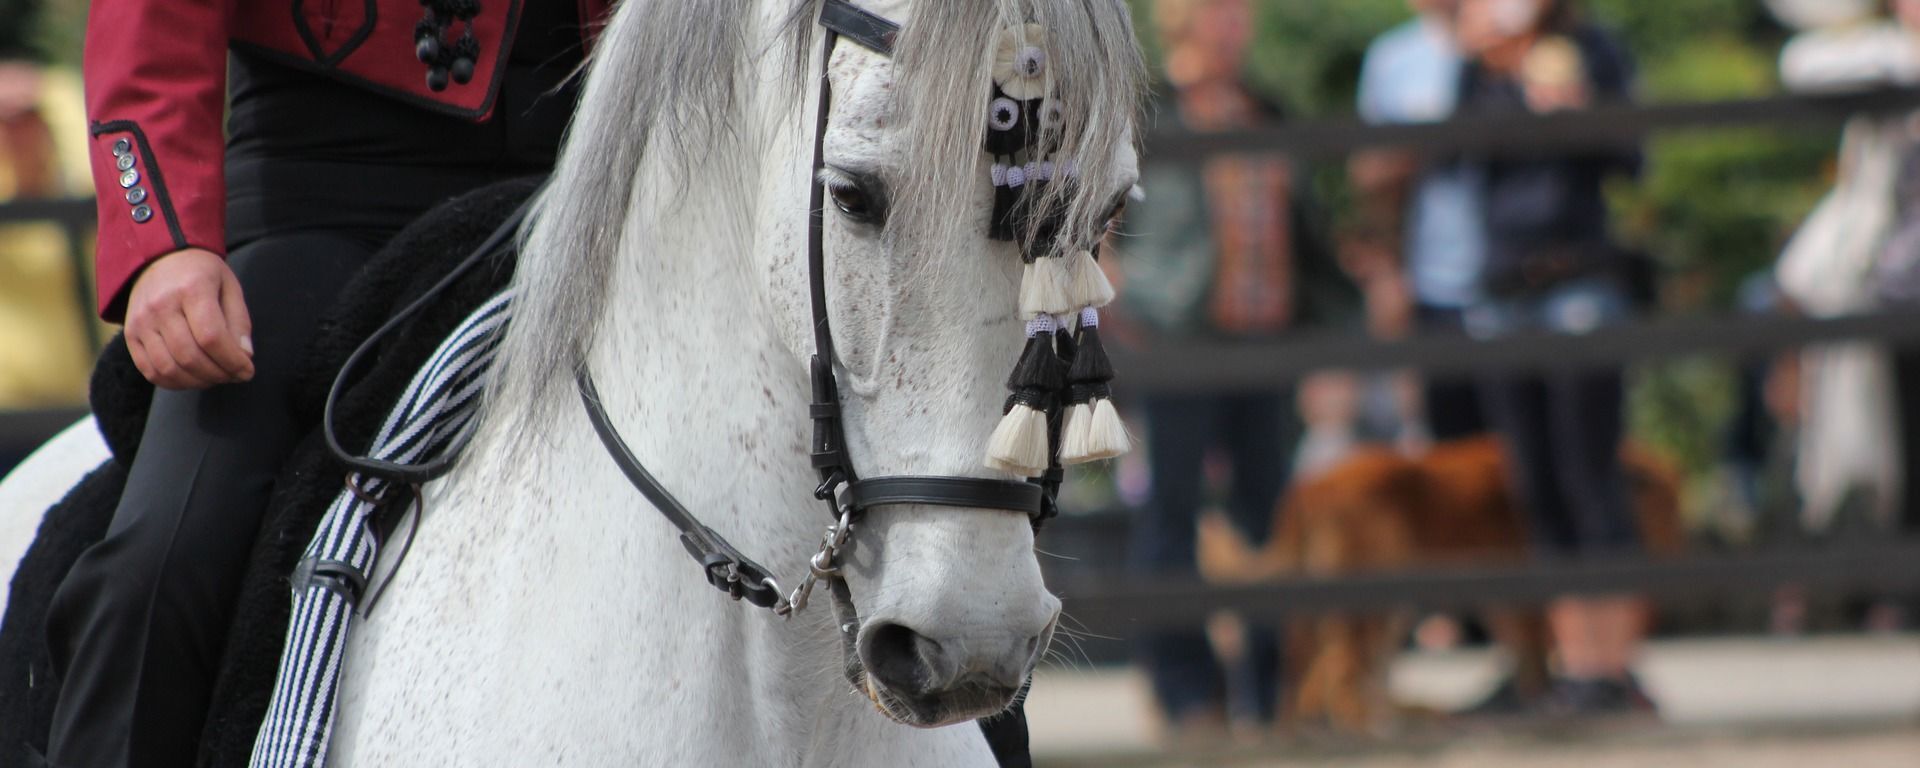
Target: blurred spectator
column 1218, row 252
column 1859, row 251
column 1849, row 442
column 1843, row 44
column 43, row 343
column 1550, row 266
column 1422, row 238
column 1755, row 502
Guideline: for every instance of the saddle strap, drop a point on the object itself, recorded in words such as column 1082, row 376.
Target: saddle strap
column 433, row 421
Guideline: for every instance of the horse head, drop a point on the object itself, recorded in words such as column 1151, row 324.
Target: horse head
column 952, row 614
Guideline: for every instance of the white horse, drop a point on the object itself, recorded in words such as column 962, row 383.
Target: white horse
column 546, row 614
column 39, row 482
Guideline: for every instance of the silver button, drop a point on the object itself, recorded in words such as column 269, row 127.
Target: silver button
column 122, row 147
column 124, row 162
column 136, row 196
column 141, row 214
column 128, row 179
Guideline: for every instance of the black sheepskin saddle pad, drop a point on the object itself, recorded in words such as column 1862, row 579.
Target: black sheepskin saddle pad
column 415, row 260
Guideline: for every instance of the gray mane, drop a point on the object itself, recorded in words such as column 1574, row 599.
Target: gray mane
column 666, row 74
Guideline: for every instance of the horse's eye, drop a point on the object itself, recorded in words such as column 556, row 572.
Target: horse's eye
column 852, row 201
column 1117, row 213
column 855, row 196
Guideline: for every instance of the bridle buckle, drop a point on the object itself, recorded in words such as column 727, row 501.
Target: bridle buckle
column 830, row 487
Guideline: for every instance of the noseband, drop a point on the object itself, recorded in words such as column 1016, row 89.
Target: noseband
column 848, row 496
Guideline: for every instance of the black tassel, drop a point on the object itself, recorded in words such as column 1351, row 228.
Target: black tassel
column 1067, row 350
column 1039, row 368
column 1079, row 394
column 1038, row 400
column 1090, row 363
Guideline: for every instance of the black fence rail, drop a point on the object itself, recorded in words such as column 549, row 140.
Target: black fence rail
column 1603, row 125
column 1230, row 367
column 1117, row 606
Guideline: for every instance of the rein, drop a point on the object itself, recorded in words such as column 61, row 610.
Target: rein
column 847, row 495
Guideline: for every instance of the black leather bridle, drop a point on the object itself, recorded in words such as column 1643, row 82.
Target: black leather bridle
column 848, row 496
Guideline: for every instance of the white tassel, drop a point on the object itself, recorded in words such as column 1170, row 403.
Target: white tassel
column 1030, row 298
column 1019, row 443
column 1058, row 284
column 1088, row 285
column 1106, row 436
column 1074, row 448
column 1044, row 288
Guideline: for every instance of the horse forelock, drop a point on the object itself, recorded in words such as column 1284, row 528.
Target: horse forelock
column 945, row 58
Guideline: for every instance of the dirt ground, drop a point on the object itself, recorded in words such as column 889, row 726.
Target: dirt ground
column 1899, row 748
column 1844, row 702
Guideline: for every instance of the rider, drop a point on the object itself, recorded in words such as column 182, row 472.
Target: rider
column 343, row 122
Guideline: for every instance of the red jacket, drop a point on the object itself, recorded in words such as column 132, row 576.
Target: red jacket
column 156, row 76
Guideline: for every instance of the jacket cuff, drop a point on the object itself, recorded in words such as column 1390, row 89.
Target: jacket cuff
column 139, row 220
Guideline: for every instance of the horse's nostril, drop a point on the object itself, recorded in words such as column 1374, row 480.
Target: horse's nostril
column 898, row 657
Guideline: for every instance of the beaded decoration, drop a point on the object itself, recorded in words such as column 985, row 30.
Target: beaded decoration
column 1060, row 410
column 446, row 59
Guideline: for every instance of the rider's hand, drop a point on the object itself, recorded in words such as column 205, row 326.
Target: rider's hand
column 187, row 324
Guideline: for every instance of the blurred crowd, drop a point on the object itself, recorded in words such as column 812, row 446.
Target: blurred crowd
column 1240, row 248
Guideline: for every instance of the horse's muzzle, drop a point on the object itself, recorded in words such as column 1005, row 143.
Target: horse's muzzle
column 927, row 682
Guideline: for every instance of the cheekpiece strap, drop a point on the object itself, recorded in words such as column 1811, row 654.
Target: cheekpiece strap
column 856, row 24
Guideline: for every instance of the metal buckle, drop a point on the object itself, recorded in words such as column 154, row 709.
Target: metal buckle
column 825, row 564
column 829, row 487
column 336, row 576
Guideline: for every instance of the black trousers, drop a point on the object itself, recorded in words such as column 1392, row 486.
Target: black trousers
column 1453, row 404
column 138, row 627
column 1254, row 432
column 1562, row 431
column 1906, row 379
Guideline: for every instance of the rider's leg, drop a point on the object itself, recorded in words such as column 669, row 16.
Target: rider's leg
column 138, row 626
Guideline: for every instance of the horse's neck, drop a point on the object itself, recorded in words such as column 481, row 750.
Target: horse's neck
column 714, row 404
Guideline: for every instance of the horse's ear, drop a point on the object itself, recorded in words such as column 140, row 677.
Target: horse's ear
column 120, row 398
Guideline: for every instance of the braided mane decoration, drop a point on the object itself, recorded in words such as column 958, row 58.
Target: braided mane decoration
column 1060, row 410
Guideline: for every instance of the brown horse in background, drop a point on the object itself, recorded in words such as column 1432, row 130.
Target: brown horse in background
column 1379, row 510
